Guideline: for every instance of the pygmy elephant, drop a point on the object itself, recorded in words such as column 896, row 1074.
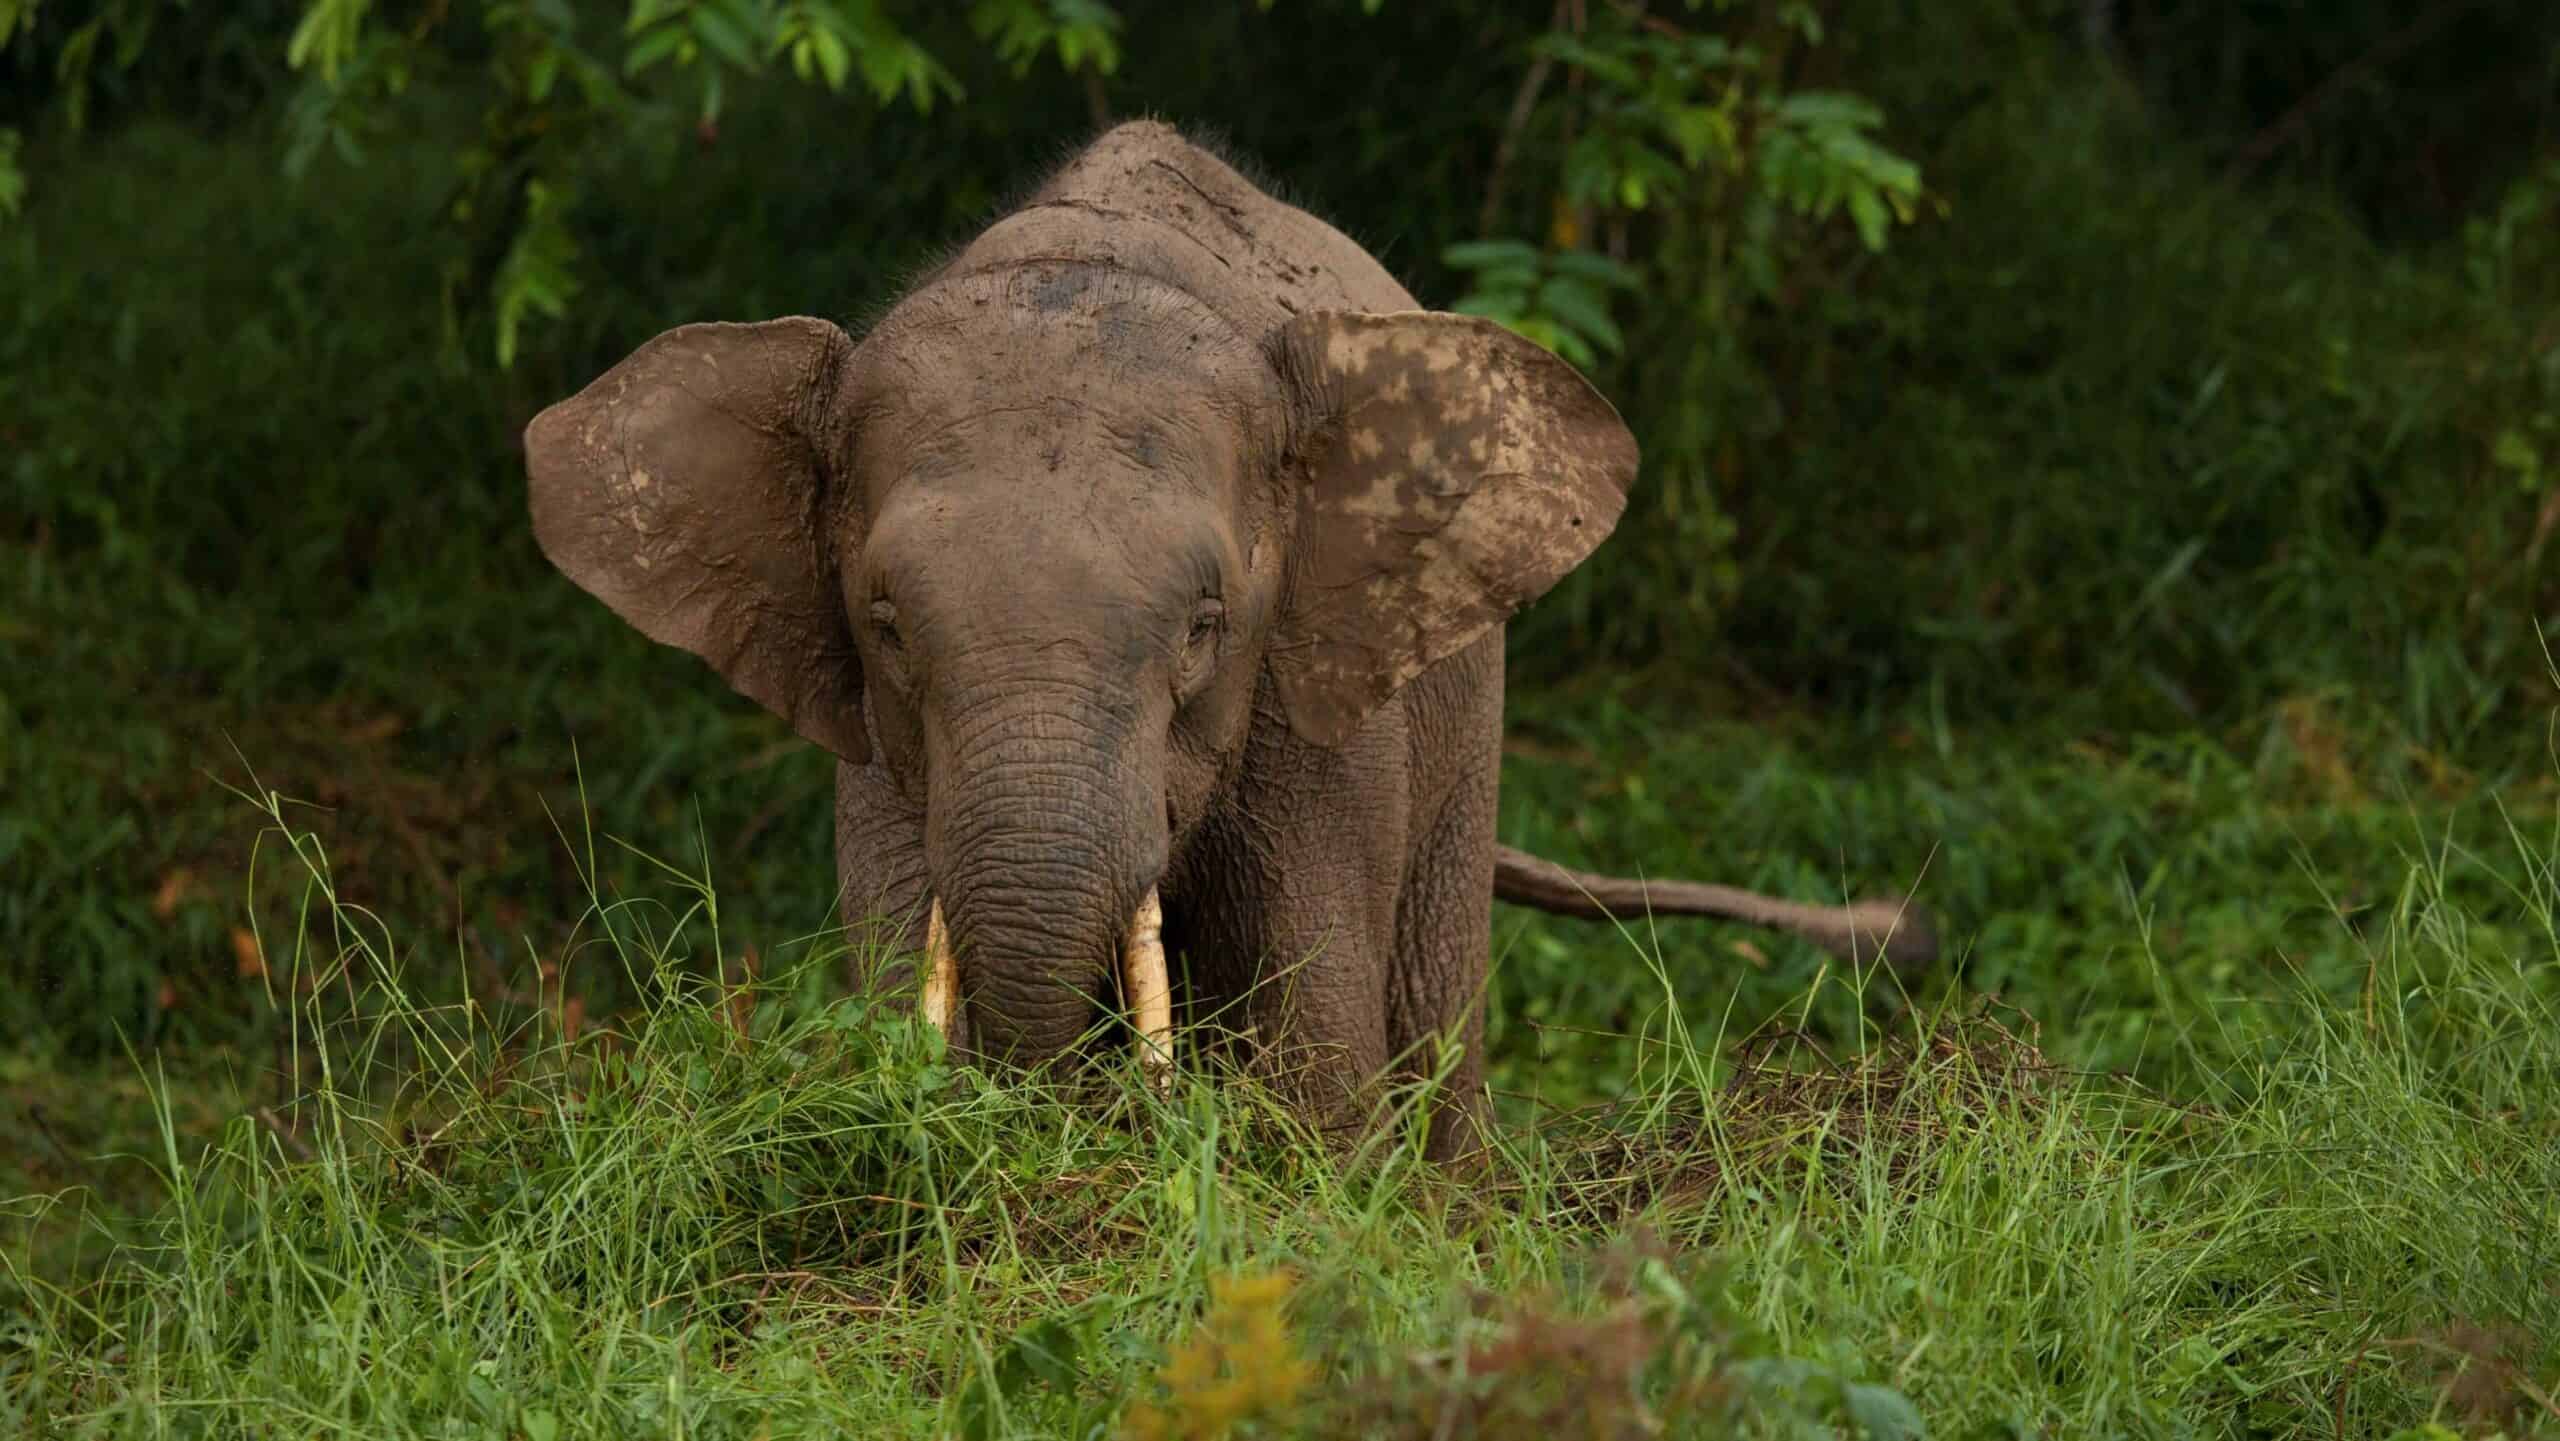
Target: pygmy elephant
column 1146, row 566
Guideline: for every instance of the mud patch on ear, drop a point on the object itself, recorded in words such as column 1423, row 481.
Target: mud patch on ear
column 1457, row 471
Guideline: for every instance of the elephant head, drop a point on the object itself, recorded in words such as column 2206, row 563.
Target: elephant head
column 1050, row 542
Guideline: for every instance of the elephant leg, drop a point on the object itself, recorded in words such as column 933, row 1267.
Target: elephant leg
column 1288, row 921
column 1443, row 950
column 880, row 876
column 1288, row 986
column 1322, row 1018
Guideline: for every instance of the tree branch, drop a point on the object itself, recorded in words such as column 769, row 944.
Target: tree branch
column 2289, row 126
column 1523, row 104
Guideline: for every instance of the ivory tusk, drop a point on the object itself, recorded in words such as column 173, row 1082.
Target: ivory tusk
column 1149, row 990
column 942, row 974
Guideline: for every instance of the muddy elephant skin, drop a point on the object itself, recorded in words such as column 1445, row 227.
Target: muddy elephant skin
column 1150, row 555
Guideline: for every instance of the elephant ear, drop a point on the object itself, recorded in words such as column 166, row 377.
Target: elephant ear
column 686, row 488
column 1455, row 471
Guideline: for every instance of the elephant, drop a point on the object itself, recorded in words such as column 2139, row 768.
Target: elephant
column 1146, row 567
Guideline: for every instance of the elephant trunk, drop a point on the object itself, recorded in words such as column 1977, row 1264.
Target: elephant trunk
column 1045, row 839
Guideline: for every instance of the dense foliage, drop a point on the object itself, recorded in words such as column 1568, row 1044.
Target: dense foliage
column 2180, row 456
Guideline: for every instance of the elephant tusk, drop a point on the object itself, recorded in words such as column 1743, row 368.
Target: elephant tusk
column 942, row 974
column 1150, row 990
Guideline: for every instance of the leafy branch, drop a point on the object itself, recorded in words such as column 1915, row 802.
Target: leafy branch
column 1695, row 132
column 558, row 82
column 1675, row 182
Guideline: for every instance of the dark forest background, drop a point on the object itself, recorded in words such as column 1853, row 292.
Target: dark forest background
column 2112, row 378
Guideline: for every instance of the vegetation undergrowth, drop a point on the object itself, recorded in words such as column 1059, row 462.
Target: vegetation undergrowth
column 754, row 1207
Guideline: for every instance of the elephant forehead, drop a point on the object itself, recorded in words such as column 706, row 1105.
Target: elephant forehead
column 1061, row 445
column 991, row 522
column 1031, row 316
column 1015, row 404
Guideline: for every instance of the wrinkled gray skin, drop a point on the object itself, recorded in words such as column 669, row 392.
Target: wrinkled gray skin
column 1157, row 539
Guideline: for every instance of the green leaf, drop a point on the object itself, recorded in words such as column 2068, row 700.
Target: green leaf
column 657, row 45
column 2515, row 451
column 1868, row 213
column 1049, row 1351
column 722, row 35
column 1883, row 1413
column 1081, row 32
column 1511, row 285
column 540, row 76
column 1087, row 29
column 1547, row 335
column 834, row 60
column 1830, row 109
column 1016, row 28
column 1592, row 266
column 899, row 64
column 1611, row 69
column 1576, row 304
column 13, row 181
column 1486, row 254
column 1504, row 309
column 328, row 34
column 538, row 278
column 1701, row 132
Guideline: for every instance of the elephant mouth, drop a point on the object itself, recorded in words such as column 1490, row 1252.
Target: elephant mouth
column 1143, row 982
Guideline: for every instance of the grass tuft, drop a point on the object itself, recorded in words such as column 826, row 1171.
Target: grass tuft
column 754, row 1207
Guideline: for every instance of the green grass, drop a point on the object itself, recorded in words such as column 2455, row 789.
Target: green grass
column 755, row 1209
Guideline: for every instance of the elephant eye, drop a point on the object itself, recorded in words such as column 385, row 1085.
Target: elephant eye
column 1206, row 620
column 884, row 619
